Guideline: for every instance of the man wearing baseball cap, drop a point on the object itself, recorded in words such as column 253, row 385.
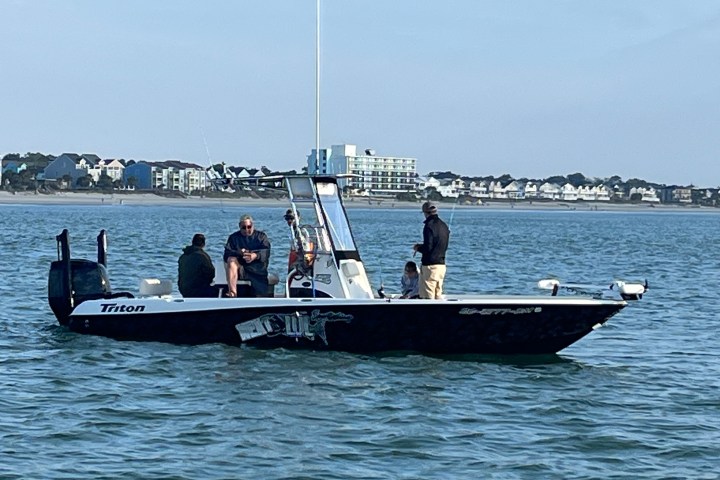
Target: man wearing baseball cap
column 436, row 236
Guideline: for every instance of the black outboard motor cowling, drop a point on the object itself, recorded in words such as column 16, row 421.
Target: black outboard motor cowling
column 87, row 281
column 72, row 281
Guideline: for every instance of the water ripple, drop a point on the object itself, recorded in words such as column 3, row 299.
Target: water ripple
column 639, row 398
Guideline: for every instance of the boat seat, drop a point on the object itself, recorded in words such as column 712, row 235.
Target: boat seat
column 243, row 286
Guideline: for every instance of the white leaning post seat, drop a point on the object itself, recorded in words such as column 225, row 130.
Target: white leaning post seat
column 221, row 280
column 155, row 287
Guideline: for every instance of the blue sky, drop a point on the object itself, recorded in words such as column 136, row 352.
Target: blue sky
column 526, row 87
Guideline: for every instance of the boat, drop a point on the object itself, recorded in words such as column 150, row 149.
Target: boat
column 328, row 302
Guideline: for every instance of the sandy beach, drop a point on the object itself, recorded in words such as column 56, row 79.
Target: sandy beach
column 102, row 199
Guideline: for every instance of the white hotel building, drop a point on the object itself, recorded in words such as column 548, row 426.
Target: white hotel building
column 377, row 174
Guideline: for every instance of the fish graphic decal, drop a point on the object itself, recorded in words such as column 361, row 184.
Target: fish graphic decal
column 296, row 325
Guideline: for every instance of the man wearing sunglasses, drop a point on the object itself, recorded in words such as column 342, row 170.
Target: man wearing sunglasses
column 246, row 257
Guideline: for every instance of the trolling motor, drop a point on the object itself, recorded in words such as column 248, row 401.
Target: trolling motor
column 71, row 281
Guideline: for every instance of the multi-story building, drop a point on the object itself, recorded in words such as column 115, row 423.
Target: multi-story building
column 168, row 175
column 375, row 173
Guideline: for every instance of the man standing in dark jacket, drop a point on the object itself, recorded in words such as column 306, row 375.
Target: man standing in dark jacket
column 196, row 271
column 436, row 236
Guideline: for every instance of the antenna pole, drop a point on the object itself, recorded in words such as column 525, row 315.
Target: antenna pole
column 317, row 87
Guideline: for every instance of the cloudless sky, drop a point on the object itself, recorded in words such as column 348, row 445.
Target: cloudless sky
column 526, row 87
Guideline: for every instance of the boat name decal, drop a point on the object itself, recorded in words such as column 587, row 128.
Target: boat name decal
column 295, row 325
column 499, row 311
column 115, row 308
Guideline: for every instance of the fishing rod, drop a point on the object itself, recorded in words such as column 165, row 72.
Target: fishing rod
column 452, row 213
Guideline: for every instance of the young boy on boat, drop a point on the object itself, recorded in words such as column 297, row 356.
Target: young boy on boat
column 409, row 282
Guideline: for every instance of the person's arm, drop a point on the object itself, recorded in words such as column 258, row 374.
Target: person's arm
column 263, row 250
column 305, row 240
column 208, row 269
column 428, row 241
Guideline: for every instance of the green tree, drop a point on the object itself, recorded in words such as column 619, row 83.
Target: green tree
column 11, row 180
column 577, row 179
column 84, row 181
column 132, row 182
column 614, row 180
column 505, row 179
column 11, row 157
column 435, row 196
column 636, row 182
column 105, row 182
column 406, row 197
column 27, row 179
column 67, row 181
column 557, row 179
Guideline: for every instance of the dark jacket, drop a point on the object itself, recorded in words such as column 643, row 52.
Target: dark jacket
column 195, row 272
column 258, row 242
column 435, row 241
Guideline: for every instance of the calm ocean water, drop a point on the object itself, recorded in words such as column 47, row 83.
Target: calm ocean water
column 639, row 398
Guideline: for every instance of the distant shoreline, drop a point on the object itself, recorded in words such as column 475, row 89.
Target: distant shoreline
column 150, row 199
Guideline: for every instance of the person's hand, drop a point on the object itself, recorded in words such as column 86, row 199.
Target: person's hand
column 250, row 256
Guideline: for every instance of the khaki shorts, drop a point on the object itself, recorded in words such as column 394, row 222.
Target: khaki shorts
column 431, row 281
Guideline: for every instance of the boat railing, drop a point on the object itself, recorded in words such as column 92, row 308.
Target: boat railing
column 617, row 288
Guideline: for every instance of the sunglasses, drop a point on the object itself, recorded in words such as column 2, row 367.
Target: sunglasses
column 246, row 227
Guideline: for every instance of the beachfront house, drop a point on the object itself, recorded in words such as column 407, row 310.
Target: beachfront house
column 569, row 192
column 478, row 189
column 646, row 194
column 14, row 167
column 69, row 165
column 496, row 190
column 706, row 196
column 531, row 190
column 682, row 195
column 448, row 188
column 650, row 195
column 594, row 193
column 603, row 193
column 550, row 191
column 515, row 190
column 112, row 168
column 458, row 184
column 423, row 183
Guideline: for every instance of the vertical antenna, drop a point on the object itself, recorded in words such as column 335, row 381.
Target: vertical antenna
column 317, row 87
column 207, row 150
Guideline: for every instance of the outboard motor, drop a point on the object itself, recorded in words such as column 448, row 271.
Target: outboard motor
column 72, row 281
